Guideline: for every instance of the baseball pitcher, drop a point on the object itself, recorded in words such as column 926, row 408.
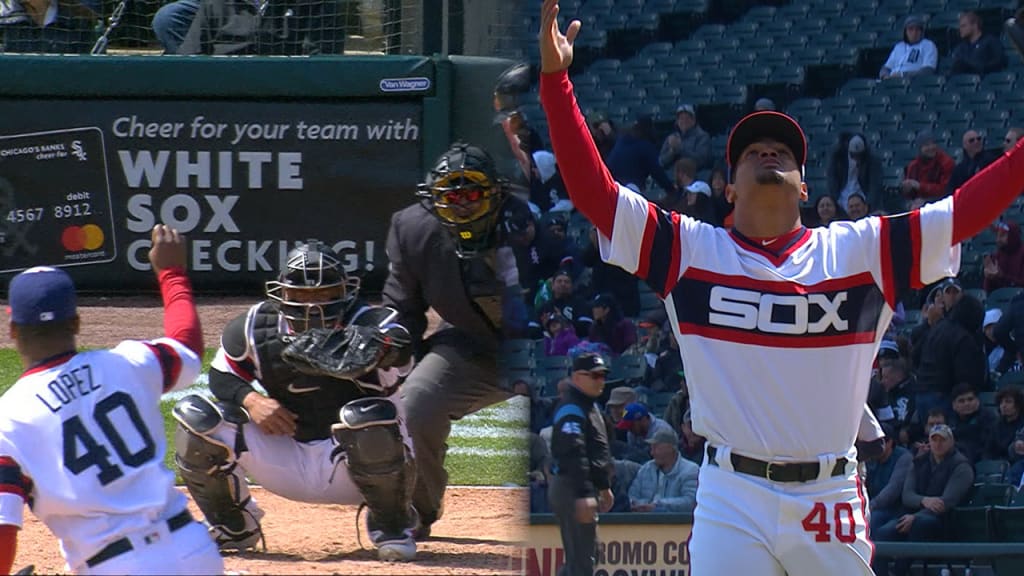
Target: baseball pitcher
column 102, row 488
column 777, row 325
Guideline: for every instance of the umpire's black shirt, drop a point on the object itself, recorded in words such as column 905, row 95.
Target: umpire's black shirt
column 425, row 272
column 579, row 444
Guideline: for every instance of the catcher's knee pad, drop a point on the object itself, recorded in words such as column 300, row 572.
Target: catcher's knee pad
column 207, row 465
column 379, row 463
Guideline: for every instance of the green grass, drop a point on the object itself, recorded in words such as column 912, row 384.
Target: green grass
column 488, row 448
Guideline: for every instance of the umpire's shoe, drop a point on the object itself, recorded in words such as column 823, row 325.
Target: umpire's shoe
column 393, row 547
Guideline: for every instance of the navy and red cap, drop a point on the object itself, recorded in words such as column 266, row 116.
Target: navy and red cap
column 766, row 124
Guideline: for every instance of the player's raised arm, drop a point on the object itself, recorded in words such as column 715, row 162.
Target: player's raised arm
column 590, row 185
column 167, row 255
column 986, row 195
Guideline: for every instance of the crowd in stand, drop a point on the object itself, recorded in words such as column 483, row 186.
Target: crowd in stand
column 944, row 386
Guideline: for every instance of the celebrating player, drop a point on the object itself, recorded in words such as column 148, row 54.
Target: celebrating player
column 777, row 325
column 312, row 438
column 103, row 489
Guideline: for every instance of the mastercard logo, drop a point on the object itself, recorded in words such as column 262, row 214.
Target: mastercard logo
column 78, row 238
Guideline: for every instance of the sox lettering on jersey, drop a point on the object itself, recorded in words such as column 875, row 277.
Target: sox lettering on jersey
column 749, row 310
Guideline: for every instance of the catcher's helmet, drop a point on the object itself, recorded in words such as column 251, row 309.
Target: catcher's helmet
column 464, row 192
column 313, row 290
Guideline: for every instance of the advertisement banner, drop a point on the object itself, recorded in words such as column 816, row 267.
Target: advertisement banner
column 622, row 550
column 83, row 182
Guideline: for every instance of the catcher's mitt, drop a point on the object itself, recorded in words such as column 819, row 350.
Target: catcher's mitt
column 345, row 353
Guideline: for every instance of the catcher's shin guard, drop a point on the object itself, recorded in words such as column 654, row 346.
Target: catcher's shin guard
column 208, row 468
column 382, row 467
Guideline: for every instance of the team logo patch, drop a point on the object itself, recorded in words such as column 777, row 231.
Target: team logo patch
column 572, row 428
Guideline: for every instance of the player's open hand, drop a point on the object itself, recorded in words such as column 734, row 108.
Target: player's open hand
column 555, row 47
column 168, row 250
column 269, row 415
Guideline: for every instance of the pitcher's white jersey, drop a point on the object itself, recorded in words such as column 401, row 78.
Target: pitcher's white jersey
column 792, row 334
column 82, row 441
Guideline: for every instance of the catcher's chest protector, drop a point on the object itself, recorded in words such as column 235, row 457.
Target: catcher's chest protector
column 483, row 287
column 267, row 342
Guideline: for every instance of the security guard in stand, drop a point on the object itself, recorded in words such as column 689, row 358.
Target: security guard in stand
column 580, row 486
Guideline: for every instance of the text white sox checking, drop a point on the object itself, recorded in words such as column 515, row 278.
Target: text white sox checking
column 777, row 325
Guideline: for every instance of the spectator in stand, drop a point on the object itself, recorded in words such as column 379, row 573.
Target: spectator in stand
column 914, row 55
column 698, row 203
column 927, row 175
column 885, row 478
column 677, row 409
column 764, row 104
column 994, row 351
column 974, row 158
column 932, row 311
column 48, row 26
column 1004, row 267
column 559, row 297
column 622, row 474
column 540, row 466
column 723, row 208
column 691, row 445
column 603, row 131
column 667, row 482
column 827, row 211
column 550, row 188
column 611, row 279
column 610, row 326
column 668, row 368
column 641, row 426
column 614, row 409
column 560, row 337
column 853, row 169
column 939, row 481
column 972, row 423
column 563, row 388
column 685, row 170
column 977, row 52
column 901, row 389
column 1010, row 401
column 857, row 206
column 1009, row 333
column 635, row 158
column 1012, row 136
column 687, row 140
column 554, row 247
column 953, row 353
column 919, row 441
column 522, row 238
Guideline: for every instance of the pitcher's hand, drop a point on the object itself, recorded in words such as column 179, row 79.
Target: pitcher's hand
column 555, row 47
column 168, row 248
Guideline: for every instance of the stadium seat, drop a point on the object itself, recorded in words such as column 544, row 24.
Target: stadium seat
column 886, row 122
column 1008, row 525
column 1001, row 297
column 724, row 46
column 894, row 86
column 963, row 82
column 650, row 80
column 918, row 121
column 762, row 14
column 827, row 40
column 980, row 100
column 1011, row 379
column 990, row 471
column 629, row 368
column 514, row 346
column 657, row 7
column 999, row 82
column 656, row 50
column 994, row 494
column 744, row 30
column 851, row 122
column 793, row 12
column 710, row 31
column 605, row 67
column 971, row 524
column 861, row 8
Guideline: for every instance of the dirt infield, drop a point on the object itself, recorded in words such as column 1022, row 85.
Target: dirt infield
column 478, row 535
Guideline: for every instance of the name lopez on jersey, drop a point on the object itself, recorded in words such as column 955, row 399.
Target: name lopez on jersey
column 767, row 314
column 69, row 386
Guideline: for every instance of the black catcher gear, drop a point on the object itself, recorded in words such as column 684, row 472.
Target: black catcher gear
column 313, row 290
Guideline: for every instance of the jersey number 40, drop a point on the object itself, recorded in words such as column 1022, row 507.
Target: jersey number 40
column 93, row 453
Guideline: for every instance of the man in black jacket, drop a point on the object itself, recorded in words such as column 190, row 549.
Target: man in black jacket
column 953, row 354
column 445, row 253
column 975, row 158
column 580, row 484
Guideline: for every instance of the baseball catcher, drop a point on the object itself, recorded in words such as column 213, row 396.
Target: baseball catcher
column 326, row 431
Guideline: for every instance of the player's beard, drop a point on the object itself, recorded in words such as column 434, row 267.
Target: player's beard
column 769, row 176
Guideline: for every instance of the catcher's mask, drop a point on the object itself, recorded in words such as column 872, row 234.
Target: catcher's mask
column 464, row 192
column 313, row 290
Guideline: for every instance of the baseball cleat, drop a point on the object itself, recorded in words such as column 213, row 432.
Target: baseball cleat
column 402, row 550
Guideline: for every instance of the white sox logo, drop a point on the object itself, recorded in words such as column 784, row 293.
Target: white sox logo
column 777, row 313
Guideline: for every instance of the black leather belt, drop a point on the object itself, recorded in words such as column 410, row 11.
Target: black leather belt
column 118, row 547
column 778, row 471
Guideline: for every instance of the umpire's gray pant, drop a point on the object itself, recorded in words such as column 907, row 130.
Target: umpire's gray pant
column 578, row 540
column 446, row 385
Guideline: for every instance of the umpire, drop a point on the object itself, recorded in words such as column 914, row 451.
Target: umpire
column 446, row 253
column 579, row 450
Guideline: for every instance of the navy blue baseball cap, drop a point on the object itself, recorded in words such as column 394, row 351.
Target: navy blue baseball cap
column 40, row 295
column 766, row 124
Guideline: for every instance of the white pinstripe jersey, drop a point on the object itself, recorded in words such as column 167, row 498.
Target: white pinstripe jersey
column 82, row 441
column 778, row 348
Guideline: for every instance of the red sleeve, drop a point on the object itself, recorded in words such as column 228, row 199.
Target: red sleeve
column 590, row 185
column 985, row 196
column 8, row 547
column 181, row 321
